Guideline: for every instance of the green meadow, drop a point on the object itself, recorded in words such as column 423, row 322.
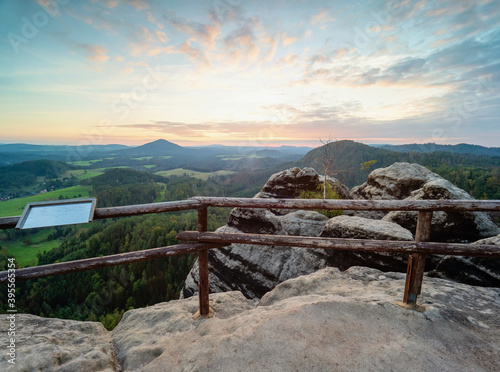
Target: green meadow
column 81, row 174
column 15, row 207
column 26, row 254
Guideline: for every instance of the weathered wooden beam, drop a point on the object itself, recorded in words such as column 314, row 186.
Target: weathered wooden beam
column 365, row 245
column 203, row 284
column 342, row 204
column 134, row 210
column 416, row 263
column 196, row 202
column 112, row 260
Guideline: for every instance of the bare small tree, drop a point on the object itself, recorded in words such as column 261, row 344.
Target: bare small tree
column 329, row 151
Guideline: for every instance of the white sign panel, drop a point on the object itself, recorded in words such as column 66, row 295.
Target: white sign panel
column 57, row 213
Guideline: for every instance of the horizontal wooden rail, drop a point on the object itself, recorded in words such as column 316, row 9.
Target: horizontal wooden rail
column 106, row 261
column 347, row 204
column 123, row 211
column 395, row 246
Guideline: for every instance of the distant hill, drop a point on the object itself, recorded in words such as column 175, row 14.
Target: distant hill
column 461, row 148
column 19, row 152
column 159, row 147
column 22, row 175
column 349, row 155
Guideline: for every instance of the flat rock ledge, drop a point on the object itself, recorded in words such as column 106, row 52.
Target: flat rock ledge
column 328, row 320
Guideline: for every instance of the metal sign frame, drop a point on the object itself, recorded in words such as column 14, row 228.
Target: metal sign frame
column 25, row 222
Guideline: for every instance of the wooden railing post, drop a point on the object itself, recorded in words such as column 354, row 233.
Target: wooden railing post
column 416, row 262
column 203, row 285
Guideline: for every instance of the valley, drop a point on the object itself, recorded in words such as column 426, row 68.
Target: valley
column 162, row 171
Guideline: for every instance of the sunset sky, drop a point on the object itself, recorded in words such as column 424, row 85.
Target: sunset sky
column 245, row 72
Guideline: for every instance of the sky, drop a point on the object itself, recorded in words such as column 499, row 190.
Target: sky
column 254, row 73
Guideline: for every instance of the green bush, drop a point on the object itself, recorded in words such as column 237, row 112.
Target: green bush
column 318, row 194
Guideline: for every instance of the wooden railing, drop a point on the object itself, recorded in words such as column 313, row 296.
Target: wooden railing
column 204, row 240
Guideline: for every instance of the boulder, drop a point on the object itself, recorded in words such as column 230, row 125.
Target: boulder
column 288, row 184
column 329, row 320
column 447, row 226
column 405, row 181
column 303, row 223
column 395, row 182
column 481, row 271
column 253, row 269
column 255, row 221
column 349, row 227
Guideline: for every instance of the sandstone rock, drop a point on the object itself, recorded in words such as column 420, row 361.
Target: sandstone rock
column 347, row 320
column 303, row 223
column 349, row 227
column 329, row 320
column 44, row 344
column 288, row 184
column 253, row 269
column 415, row 182
column 255, row 221
column 394, row 182
column 447, row 226
column 144, row 335
column 481, row 271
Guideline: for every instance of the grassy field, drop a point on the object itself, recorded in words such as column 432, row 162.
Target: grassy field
column 14, row 207
column 80, row 173
column 26, row 254
column 201, row 175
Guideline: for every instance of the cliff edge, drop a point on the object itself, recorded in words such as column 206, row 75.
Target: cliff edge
column 328, row 320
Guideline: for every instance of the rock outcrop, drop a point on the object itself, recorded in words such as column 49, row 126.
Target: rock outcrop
column 288, row 184
column 350, row 227
column 255, row 270
column 329, row 320
column 415, row 182
column 44, row 344
column 481, row 271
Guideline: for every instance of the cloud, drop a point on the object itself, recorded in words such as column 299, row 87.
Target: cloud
column 138, row 4
column 322, row 17
column 194, row 54
column 127, row 70
column 152, row 19
column 161, row 36
column 287, row 39
column 159, row 50
column 244, row 40
column 206, row 34
column 289, row 60
column 111, row 4
column 96, row 53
